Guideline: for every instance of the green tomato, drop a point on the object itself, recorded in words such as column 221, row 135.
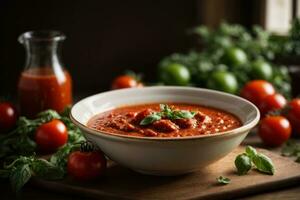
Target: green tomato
column 224, row 81
column 262, row 70
column 235, row 56
column 175, row 74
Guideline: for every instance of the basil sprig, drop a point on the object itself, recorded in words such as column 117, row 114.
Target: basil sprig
column 167, row 112
column 23, row 168
column 251, row 157
column 17, row 151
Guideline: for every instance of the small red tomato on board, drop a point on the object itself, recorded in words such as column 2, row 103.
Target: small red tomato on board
column 86, row 165
column 274, row 130
column 255, row 91
column 125, row 81
column 8, row 116
column 272, row 102
column 293, row 114
column 51, row 135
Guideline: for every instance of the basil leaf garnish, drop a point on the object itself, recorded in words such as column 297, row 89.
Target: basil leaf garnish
column 243, row 163
column 250, row 151
column 183, row 114
column 263, row 164
column 167, row 112
column 150, row 119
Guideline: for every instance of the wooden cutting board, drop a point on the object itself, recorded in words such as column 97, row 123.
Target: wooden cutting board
column 121, row 183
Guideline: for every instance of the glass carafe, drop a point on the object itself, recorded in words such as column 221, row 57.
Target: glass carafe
column 44, row 83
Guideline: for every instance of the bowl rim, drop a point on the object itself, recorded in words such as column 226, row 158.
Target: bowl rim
column 235, row 131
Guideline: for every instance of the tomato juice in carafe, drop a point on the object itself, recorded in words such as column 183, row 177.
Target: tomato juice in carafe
column 44, row 83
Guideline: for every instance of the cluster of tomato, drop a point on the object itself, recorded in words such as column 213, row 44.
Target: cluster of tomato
column 278, row 116
column 50, row 136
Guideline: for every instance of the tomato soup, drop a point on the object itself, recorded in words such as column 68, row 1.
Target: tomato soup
column 164, row 120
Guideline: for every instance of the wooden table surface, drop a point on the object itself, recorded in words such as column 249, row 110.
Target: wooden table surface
column 31, row 192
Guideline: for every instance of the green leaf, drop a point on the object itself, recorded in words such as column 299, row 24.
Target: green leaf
column 66, row 112
column 165, row 110
column 17, row 145
column 48, row 115
column 183, row 114
column 243, row 163
column 74, row 133
column 291, row 148
column 20, row 176
column 287, row 151
column 223, row 180
column 47, row 170
column 263, row 164
column 60, row 158
column 251, row 152
column 150, row 119
column 25, row 145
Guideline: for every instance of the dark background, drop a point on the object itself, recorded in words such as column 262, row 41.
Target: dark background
column 104, row 38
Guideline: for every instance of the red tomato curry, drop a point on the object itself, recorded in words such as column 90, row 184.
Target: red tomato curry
column 164, row 120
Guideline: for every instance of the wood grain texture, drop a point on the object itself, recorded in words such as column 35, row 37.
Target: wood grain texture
column 122, row 183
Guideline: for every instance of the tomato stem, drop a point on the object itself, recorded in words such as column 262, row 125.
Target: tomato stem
column 87, row 146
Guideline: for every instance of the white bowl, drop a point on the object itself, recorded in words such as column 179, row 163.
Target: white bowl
column 165, row 156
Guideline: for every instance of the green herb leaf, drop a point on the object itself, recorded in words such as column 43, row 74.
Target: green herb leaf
column 66, row 112
column 20, row 176
column 243, row 163
column 150, row 119
column 48, row 115
column 59, row 159
column 74, row 133
column 167, row 112
column 291, row 148
column 165, row 108
column 287, row 151
column 183, row 114
column 223, row 180
column 263, row 164
column 47, row 170
column 251, row 152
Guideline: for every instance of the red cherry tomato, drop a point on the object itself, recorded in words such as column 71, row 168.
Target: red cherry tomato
column 255, row 91
column 125, row 81
column 293, row 114
column 8, row 116
column 51, row 135
column 86, row 165
column 272, row 102
column 274, row 130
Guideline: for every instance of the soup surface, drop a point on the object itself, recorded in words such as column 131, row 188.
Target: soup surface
column 164, row 120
